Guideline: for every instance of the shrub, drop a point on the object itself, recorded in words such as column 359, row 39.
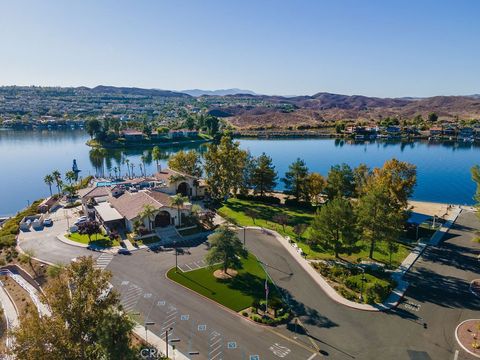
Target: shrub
column 244, row 313
column 298, row 204
column 377, row 291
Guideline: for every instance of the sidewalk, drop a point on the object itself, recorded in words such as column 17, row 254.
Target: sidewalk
column 43, row 310
column 158, row 343
column 10, row 312
column 396, row 295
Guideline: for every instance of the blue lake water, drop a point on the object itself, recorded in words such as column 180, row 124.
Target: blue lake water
column 27, row 156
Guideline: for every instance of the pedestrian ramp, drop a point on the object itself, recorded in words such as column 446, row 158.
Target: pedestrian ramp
column 103, row 261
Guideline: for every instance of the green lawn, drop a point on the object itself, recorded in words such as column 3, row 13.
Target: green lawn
column 234, row 210
column 99, row 240
column 237, row 293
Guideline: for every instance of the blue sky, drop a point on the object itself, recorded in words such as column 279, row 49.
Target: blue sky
column 381, row 48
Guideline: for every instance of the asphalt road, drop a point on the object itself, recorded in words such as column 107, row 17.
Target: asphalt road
column 421, row 328
column 438, row 296
column 199, row 325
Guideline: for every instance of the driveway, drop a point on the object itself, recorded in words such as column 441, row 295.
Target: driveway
column 47, row 247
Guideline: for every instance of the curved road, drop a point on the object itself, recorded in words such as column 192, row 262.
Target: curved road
column 420, row 329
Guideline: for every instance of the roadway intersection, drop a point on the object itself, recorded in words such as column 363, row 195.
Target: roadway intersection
column 421, row 328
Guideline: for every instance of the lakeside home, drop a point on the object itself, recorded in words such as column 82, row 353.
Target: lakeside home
column 119, row 206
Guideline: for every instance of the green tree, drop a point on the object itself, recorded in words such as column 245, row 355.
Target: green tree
column 295, row 179
column 93, row 127
column 189, row 123
column 315, row 186
column 263, row 176
column 340, row 182
column 476, row 178
column 399, row 178
column 178, row 200
column 379, row 218
column 157, row 155
column 70, row 176
column 226, row 248
column 361, row 175
column 334, row 226
column 432, row 117
column 84, row 324
column 58, row 180
column 187, row 162
column 148, row 212
column 224, row 167
column 49, row 180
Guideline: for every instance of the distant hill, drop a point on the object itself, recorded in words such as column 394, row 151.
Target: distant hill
column 137, row 91
column 221, row 92
column 315, row 110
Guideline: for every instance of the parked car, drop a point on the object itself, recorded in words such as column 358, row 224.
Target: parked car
column 124, row 251
column 81, row 220
column 48, row 222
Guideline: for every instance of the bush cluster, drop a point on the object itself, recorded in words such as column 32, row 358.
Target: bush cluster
column 263, row 199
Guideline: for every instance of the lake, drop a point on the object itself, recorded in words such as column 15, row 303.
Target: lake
column 27, row 156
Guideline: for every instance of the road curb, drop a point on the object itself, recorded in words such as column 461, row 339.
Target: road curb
column 217, row 303
column 458, row 341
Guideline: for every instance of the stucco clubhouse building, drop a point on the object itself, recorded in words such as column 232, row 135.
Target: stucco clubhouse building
column 119, row 206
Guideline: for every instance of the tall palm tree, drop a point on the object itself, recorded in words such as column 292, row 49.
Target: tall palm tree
column 70, row 176
column 49, row 180
column 178, row 201
column 128, row 168
column 148, row 212
column 156, row 155
column 132, row 165
column 143, row 158
column 58, row 179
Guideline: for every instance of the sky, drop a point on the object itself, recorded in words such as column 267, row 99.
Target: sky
column 384, row 48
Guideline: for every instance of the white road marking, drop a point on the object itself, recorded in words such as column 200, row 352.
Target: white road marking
column 131, row 297
column 311, row 357
column 279, row 350
column 103, row 261
column 456, row 355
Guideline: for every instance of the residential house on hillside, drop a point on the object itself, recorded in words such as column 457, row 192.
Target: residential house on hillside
column 132, row 135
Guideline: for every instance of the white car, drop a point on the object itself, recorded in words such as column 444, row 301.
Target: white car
column 81, row 220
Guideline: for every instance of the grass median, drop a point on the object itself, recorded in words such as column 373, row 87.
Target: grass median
column 237, row 293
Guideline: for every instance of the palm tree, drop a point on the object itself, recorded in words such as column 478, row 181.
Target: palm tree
column 156, row 155
column 128, row 168
column 148, row 211
column 132, row 165
column 178, row 201
column 143, row 158
column 70, row 176
column 58, row 179
column 49, row 180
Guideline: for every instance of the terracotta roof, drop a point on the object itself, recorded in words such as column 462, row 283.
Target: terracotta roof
column 160, row 197
column 164, row 174
column 131, row 204
column 97, row 192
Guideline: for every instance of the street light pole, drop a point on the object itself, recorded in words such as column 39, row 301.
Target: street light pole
column 176, row 255
column 147, row 323
column 244, row 235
